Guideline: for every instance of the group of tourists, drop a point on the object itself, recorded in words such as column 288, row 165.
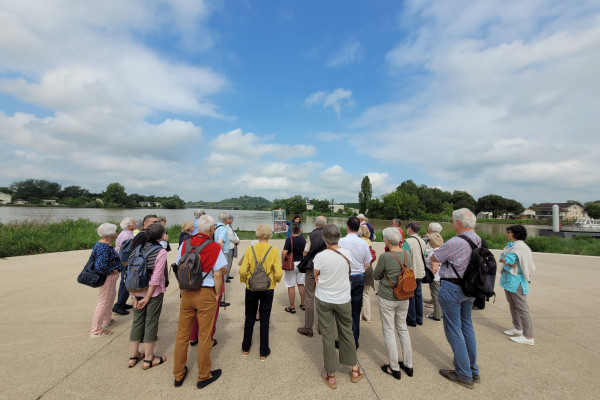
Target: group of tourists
column 334, row 276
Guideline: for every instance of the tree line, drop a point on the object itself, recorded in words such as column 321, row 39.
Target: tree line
column 33, row 191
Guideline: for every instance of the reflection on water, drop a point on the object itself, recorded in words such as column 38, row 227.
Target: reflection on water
column 243, row 219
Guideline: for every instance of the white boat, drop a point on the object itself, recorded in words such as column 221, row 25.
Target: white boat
column 588, row 224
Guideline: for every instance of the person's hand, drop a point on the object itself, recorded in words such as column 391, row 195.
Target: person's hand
column 134, row 301
column 142, row 303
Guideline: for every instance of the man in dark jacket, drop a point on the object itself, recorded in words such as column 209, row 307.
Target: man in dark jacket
column 314, row 245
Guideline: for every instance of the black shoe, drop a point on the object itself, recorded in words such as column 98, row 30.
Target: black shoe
column 337, row 344
column 127, row 306
column 395, row 374
column 194, row 342
column 451, row 376
column 225, row 304
column 408, row 371
column 179, row 383
column 120, row 311
column 411, row 324
column 215, row 375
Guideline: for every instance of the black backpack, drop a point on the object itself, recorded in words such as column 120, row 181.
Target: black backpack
column 480, row 276
column 189, row 269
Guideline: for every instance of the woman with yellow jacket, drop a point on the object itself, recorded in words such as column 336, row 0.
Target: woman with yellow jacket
column 262, row 300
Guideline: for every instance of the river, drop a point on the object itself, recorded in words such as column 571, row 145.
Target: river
column 243, row 219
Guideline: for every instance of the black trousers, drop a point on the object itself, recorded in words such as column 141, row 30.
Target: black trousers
column 263, row 301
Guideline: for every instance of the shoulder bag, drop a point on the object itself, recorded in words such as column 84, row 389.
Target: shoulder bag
column 90, row 276
column 288, row 260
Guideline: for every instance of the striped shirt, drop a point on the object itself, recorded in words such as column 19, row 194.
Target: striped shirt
column 456, row 251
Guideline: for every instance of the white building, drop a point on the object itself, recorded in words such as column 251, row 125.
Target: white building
column 5, row 198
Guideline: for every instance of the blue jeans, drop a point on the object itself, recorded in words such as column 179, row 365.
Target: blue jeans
column 123, row 292
column 357, row 283
column 458, row 328
column 415, row 307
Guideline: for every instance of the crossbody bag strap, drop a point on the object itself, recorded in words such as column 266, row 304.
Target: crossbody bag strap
column 402, row 266
column 265, row 258
column 346, row 258
column 420, row 247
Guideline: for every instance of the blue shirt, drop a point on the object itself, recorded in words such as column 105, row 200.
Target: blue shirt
column 221, row 233
column 107, row 259
column 508, row 281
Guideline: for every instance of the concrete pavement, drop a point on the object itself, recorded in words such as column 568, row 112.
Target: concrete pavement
column 46, row 352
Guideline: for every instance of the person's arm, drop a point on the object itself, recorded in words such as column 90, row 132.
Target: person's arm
column 379, row 268
column 245, row 266
column 218, row 278
column 142, row 303
column 316, row 273
column 435, row 266
column 278, row 271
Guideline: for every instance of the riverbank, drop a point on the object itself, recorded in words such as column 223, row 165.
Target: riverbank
column 26, row 238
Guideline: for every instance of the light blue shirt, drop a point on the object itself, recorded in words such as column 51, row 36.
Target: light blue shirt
column 221, row 233
column 508, row 281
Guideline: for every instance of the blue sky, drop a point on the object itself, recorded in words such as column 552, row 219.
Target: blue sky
column 216, row 99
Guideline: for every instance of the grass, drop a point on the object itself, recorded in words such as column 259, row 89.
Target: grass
column 37, row 237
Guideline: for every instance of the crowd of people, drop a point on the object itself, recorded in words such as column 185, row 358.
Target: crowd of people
column 334, row 276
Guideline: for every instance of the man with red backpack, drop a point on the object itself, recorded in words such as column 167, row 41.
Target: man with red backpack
column 200, row 305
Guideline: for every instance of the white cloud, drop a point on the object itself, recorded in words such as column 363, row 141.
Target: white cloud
column 350, row 53
column 336, row 99
column 508, row 103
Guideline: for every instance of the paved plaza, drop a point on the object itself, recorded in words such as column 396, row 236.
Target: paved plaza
column 46, row 351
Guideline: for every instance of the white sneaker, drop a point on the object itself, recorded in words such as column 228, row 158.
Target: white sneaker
column 522, row 339
column 513, row 332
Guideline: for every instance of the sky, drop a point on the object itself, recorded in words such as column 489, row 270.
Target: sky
column 213, row 99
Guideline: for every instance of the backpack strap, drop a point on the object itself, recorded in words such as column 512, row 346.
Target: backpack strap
column 402, row 266
column 263, row 260
column 421, row 247
column 473, row 245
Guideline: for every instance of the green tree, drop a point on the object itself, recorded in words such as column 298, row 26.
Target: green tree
column 35, row 188
column 114, row 195
column 364, row 196
column 6, row 189
column 320, row 205
column 460, row 199
column 593, row 209
column 74, row 192
column 293, row 205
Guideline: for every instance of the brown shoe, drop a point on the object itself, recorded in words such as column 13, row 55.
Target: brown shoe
column 305, row 331
column 451, row 376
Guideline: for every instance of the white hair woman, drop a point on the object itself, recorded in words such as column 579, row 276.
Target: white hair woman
column 392, row 310
column 435, row 241
column 106, row 262
column 332, row 300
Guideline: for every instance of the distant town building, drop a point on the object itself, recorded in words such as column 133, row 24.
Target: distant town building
column 485, row 214
column 566, row 211
column 49, row 202
column 528, row 214
column 336, row 207
column 5, row 198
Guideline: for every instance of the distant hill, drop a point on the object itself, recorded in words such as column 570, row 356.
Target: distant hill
column 240, row 203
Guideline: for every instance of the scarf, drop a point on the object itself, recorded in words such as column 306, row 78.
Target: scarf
column 523, row 253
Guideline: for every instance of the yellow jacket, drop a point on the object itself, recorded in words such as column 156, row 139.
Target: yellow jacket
column 272, row 264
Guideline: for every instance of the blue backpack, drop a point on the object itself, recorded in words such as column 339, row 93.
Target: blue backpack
column 125, row 251
column 137, row 277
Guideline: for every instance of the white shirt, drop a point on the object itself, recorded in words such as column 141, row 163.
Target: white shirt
column 334, row 282
column 359, row 249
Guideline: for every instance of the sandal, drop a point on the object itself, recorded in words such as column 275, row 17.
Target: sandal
column 151, row 362
column 327, row 378
column 358, row 377
column 303, row 307
column 291, row 310
column 102, row 333
column 136, row 360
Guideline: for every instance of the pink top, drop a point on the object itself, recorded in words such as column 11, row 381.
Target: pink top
column 158, row 275
column 123, row 236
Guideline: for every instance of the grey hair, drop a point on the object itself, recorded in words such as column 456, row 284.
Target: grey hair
column 331, row 234
column 198, row 213
column 155, row 231
column 392, row 235
column 320, row 221
column 296, row 226
column 125, row 222
column 107, row 230
column 223, row 216
column 397, row 221
column 204, row 223
column 162, row 218
column 465, row 216
column 435, row 227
